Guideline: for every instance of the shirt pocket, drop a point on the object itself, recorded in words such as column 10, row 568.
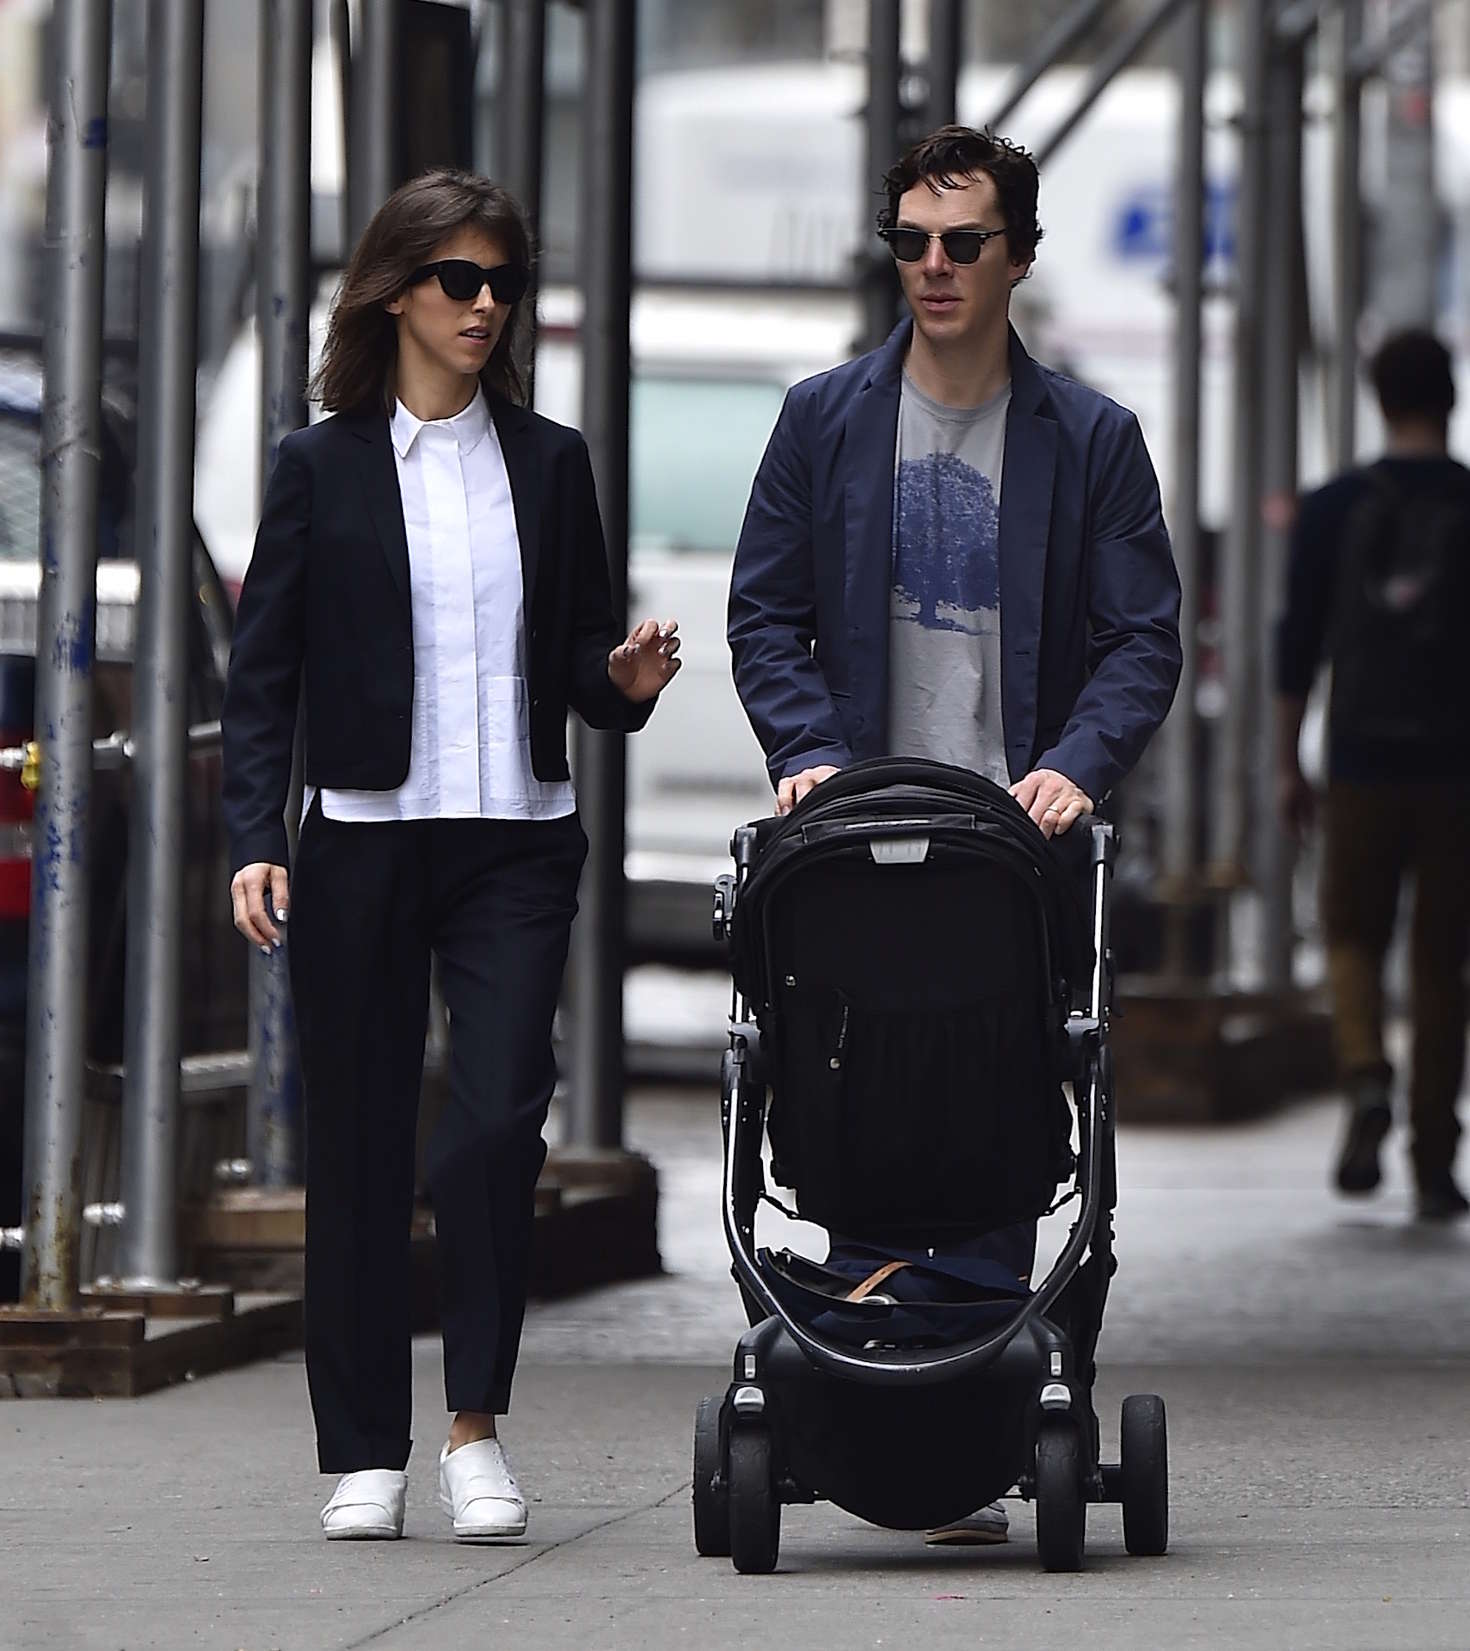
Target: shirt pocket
column 505, row 714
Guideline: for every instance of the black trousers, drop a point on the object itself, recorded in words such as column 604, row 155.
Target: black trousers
column 493, row 900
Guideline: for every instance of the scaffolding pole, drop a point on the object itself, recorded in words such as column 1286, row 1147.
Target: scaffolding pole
column 1107, row 68
column 1280, row 416
column 71, row 446
column 946, row 35
column 877, row 277
column 523, row 99
column 599, row 936
column 1347, row 242
column 275, row 1114
column 373, row 161
column 1181, row 793
column 168, row 336
column 1232, row 786
column 1051, row 49
column 1406, row 264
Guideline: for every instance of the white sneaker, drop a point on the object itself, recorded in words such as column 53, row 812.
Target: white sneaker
column 479, row 1493
column 366, row 1506
column 984, row 1527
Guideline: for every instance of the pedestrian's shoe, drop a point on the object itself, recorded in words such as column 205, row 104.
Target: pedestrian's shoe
column 1369, row 1119
column 479, row 1493
column 989, row 1525
column 1440, row 1199
column 366, row 1506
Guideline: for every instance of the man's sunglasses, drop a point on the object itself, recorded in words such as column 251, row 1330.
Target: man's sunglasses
column 961, row 246
column 461, row 280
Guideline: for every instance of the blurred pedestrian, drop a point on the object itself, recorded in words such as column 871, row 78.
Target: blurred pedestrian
column 952, row 552
column 430, row 565
column 1378, row 587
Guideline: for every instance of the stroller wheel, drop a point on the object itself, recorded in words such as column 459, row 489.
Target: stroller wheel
column 755, row 1514
column 1145, row 1475
column 711, row 1504
column 1061, row 1512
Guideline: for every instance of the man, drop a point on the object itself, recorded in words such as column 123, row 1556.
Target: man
column 951, row 552
column 1378, row 584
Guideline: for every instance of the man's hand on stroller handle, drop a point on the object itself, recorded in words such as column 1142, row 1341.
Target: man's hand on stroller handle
column 795, row 786
column 1052, row 800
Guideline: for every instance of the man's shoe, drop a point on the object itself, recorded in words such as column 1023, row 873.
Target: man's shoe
column 988, row 1526
column 1440, row 1199
column 1369, row 1120
column 366, row 1506
column 479, row 1493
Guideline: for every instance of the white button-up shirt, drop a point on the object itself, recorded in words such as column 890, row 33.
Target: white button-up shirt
column 470, row 754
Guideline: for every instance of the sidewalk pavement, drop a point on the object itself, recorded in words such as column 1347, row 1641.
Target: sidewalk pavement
column 1313, row 1356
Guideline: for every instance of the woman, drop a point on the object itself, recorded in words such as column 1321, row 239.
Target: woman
column 430, row 561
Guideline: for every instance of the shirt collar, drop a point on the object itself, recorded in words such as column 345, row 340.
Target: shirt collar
column 469, row 428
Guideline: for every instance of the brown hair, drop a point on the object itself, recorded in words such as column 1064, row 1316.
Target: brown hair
column 356, row 371
column 947, row 157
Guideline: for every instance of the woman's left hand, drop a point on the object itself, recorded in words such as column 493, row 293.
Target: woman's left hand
column 644, row 665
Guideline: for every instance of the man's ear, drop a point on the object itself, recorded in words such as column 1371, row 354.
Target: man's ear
column 1023, row 266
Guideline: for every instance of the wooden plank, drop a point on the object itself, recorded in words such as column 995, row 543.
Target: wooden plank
column 202, row 1301
column 173, row 1351
column 83, row 1327
column 181, row 1351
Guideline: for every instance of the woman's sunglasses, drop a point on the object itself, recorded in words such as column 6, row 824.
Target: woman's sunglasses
column 961, row 246
column 461, row 280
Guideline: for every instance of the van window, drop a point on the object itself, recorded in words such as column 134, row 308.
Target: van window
column 20, row 488
column 20, row 492
column 695, row 444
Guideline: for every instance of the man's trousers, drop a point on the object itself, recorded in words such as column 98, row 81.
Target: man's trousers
column 493, row 901
column 1376, row 837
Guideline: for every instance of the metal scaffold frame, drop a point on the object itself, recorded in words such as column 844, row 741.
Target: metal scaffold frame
column 1243, row 849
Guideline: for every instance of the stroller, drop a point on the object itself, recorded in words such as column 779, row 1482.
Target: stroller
column 915, row 981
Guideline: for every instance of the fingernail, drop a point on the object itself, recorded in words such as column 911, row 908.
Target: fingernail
column 280, row 914
column 276, row 943
column 265, row 951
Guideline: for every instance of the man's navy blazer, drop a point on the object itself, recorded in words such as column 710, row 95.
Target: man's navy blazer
column 1089, row 597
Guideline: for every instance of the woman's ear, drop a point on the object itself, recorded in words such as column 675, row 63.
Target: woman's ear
column 396, row 306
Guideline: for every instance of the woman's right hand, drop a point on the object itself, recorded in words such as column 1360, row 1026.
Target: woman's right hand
column 261, row 898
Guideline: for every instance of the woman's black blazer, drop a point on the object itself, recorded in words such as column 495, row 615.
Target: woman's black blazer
column 327, row 594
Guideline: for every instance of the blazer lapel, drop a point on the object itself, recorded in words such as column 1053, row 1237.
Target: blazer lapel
column 383, row 499
column 870, row 436
column 523, row 466
column 1027, row 475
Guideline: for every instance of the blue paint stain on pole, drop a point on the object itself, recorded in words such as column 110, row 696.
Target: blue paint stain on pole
column 94, row 133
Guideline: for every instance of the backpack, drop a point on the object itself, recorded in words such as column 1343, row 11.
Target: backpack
column 1398, row 628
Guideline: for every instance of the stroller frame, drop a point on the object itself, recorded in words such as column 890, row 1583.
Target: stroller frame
column 743, row 1468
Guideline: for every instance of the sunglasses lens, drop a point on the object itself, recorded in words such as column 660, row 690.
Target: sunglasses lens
column 961, row 246
column 508, row 283
column 907, row 245
column 460, row 279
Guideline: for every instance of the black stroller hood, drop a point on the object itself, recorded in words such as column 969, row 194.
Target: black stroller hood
column 909, row 796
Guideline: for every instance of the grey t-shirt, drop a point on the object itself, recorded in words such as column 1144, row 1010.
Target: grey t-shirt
column 944, row 617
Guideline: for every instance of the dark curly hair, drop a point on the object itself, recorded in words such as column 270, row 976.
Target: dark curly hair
column 947, row 157
column 356, row 370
